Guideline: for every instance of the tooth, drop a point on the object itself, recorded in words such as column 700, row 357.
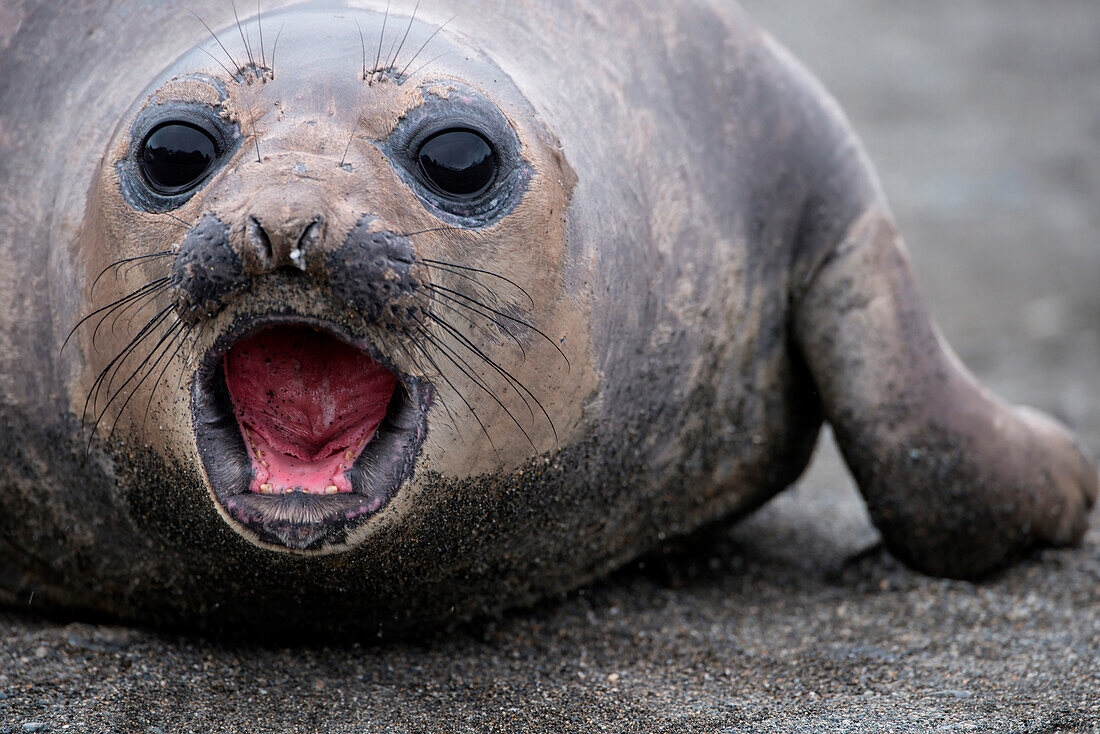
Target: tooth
column 349, row 455
column 267, row 488
column 332, row 489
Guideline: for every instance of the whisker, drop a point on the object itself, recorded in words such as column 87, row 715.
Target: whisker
column 518, row 386
column 170, row 215
column 125, row 305
column 138, row 306
column 169, row 333
column 478, row 304
column 347, row 147
column 114, row 304
column 425, row 44
column 381, row 37
column 111, row 379
column 119, row 263
column 393, row 61
column 481, row 327
column 93, row 393
column 443, row 376
column 416, row 364
column 187, row 357
column 218, row 62
column 240, row 28
column 182, row 334
column 464, row 367
column 429, row 62
column 449, row 328
column 260, row 25
column 440, row 264
column 362, row 48
column 215, row 36
column 275, row 47
column 255, row 133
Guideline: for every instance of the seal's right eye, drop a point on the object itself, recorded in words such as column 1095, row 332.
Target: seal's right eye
column 176, row 156
column 459, row 163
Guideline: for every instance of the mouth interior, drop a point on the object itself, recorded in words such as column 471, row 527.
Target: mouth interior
column 307, row 405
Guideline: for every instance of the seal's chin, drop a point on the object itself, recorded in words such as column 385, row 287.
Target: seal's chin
column 304, row 435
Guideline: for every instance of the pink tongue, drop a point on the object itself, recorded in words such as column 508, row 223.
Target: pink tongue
column 307, row 405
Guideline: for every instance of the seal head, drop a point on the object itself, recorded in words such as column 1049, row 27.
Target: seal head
column 325, row 233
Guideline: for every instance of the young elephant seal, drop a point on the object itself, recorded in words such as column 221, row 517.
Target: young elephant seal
column 381, row 319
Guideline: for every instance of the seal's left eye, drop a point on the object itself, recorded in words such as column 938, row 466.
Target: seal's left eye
column 176, row 157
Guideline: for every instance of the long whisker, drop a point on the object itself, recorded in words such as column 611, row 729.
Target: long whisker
column 464, row 367
column 255, row 133
column 443, row 375
column 362, row 48
column 114, row 304
column 240, row 28
column 416, row 364
column 124, row 306
column 275, row 47
column 260, row 25
column 187, row 357
column 170, row 215
column 167, row 339
column 183, row 334
column 351, row 137
column 425, row 44
column 455, row 266
column 114, row 375
column 442, row 265
column 429, row 62
column 475, row 304
column 516, row 384
column 232, row 60
column 137, row 306
column 381, row 38
column 449, row 329
column 393, row 61
column 218, row 62
column 169, row 333
column 93, row 393
column 119, row 263
column 481, row 327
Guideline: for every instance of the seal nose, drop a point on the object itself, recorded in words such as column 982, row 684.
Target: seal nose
column 284, row 239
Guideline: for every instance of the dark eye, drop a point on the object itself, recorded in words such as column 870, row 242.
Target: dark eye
column 176, row 156
column 458, row 163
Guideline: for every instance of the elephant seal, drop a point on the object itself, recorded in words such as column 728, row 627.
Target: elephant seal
column 374, row 316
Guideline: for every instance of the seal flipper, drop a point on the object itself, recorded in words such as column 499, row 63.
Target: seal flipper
column 958, row 482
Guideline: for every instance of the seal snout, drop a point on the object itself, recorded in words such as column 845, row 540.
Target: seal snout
column 305, row 431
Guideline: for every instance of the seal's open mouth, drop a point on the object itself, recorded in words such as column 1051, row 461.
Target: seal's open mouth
column 307, row 405
column 303, row 434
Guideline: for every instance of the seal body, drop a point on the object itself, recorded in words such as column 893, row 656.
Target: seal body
column 371, row 319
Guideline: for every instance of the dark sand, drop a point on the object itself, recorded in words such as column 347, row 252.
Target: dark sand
column 984, row 120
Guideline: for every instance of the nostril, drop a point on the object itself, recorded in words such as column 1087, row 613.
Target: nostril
column 259, row 239
column 308, row 239
column 283, row 240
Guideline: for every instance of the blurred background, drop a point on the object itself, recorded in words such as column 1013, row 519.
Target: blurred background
column 983, row 117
